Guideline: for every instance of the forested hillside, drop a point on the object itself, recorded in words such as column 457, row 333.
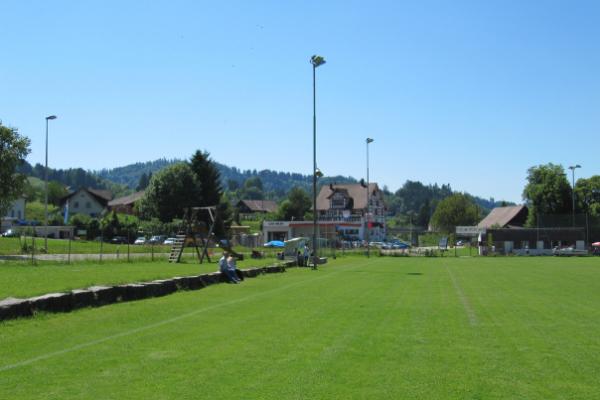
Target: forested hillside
column 74, row 178
column 414, row 200
column 130, row 175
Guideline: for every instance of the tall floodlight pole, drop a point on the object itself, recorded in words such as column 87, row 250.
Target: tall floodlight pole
column 368, row 219
column 573, row 168
column 316, row 62
column 46, row 188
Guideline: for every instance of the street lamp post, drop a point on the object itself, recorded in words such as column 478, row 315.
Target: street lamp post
column 368, row 219
column 573, row 168
column 46, row 188
column 316, row 62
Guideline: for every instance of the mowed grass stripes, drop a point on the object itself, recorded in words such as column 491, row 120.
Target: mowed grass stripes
column 479, row 328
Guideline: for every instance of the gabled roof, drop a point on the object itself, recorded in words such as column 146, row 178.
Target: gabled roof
column 260, row 205
column 101, row 196
column 338, row 190
column 505, row 216
column 104, row 194
column 126, row 200
column 356, row 191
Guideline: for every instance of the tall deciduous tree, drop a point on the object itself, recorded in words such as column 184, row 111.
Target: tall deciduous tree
column 56, row 191
column 169, row 192
column 453, row 211
column 547, row 191
column 587, row 194
column 295, row 206
column 13, row 150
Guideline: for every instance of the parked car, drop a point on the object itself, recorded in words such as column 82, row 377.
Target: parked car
column 140, row 240
column 157, row 239
column 399, row 245
column 568, row 251
column 119, row 240
column 169, row 241
column 10, row 233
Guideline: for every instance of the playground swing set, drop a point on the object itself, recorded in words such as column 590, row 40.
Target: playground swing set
column 193, row 230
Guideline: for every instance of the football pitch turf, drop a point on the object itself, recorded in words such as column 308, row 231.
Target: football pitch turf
column 379, row 328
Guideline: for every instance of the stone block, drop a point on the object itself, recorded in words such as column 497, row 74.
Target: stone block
column 274, row 268
column 14, row 308
column 212, row 278
column 154, row 289
column 105, row 294
column 168, row 286
column 182, row 282
column 195, row 282
column 83, row 298
column 249, row 272
column 52, row 302
column 134, row 291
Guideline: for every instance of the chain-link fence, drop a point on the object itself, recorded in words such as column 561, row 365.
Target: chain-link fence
column 589, row 223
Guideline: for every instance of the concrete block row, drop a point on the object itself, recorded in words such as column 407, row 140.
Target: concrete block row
column 96, row 296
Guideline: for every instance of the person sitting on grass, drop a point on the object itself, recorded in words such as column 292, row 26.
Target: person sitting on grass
column 232, row 271
column 224, row 268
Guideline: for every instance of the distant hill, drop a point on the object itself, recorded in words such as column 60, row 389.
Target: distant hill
column 130, row 175
column 277, row 184
column 413, row 197
column 74, row 178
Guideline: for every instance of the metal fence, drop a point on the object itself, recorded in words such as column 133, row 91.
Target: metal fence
column 590, row 224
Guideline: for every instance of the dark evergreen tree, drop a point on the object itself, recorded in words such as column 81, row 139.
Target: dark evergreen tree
column 144, row 181
column 211, row 192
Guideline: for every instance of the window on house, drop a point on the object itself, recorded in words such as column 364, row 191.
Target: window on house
column 19, row 214
column 76, row 205
column 338, row 201
column 88, row 205
column 12, row 213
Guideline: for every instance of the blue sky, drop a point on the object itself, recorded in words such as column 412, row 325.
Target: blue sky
column 466, row 93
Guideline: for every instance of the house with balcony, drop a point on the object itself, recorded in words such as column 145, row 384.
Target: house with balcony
column 342, row 213
column 344, row 210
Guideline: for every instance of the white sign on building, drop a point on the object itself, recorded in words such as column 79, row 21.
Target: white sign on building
column 469, row 230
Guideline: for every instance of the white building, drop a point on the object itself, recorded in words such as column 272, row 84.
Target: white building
column 342, row 213
column 15, row 212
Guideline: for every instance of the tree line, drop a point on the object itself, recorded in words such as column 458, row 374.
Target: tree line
column 199, row 181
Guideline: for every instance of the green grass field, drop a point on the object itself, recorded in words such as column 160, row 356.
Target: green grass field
column 383, row 328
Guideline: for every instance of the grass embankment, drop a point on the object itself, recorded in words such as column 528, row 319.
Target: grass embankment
column 384, row 328
column 25, row 280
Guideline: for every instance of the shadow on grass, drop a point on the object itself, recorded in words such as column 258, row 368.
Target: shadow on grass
column 414, row 273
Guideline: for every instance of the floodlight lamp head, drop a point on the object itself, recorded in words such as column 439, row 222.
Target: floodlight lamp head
column 369, row 140
column 51, row 117
column 317, row 61
column 318, row 173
